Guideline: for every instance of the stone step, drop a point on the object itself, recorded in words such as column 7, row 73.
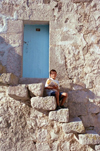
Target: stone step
column 24, row 92
column 90, row 138
column 44, row 103
column 19, row 92
column 36, row 89
column 61, row 115
column 75, row 125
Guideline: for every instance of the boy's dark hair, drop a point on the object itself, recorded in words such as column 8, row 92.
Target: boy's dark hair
column 53, row 70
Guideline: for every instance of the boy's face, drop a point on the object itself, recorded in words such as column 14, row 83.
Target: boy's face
column 53, row 75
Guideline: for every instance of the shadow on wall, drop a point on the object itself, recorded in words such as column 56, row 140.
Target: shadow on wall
column 9, row 57
column 85, row 104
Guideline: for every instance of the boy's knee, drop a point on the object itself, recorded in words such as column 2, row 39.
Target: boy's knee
column 57, row 93
column 65, row 94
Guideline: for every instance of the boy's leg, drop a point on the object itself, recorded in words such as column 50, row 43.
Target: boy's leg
column 57, row 97
column 64, row 96
column 56, row 94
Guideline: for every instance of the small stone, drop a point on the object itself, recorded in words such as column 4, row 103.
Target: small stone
column 54, row 136
column 46, row 103
column 74, row 126
column 61, row 115
column 65, row 146
column 36, row 89
column 19, row 92
column 90, row 138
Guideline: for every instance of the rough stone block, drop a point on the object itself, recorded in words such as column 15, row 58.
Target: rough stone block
column 97, row 147
column 42, row 135
column 19, row 92
column 55, row 146
column 41, row 122
column 8, row 79
column 75, row 126
column 36, row 89
column 91, row 137
column 61, row 115
column 46, row 103
column 3, row 89
column 43, row 147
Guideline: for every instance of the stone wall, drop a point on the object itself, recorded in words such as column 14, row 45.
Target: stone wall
column 75, row 45
column 29, row 121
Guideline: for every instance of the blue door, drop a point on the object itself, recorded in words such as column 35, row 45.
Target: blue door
column 36, row 51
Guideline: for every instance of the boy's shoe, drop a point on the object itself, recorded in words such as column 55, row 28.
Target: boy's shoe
column 58, row 108
column 63, row 106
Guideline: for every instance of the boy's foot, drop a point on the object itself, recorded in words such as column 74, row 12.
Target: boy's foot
column 62, row 106
column 58, row 108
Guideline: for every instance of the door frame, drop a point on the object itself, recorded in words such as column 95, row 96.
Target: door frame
column 33, row 23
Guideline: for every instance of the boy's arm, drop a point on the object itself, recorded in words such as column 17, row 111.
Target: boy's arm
column 48, row 86
column 51, row 87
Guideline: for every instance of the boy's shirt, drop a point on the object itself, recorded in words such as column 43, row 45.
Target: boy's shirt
column 51, row 82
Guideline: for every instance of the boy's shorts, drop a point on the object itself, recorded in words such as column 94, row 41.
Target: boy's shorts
column 60, row 95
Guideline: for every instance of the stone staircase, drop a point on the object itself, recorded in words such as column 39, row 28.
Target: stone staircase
column 65, row 125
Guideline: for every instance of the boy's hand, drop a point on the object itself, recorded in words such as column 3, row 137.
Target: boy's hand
column 55, row 87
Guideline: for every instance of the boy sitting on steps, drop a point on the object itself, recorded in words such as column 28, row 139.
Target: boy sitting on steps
column 52, row 86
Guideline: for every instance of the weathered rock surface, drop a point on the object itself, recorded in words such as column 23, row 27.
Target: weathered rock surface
column 74, row 126
column 42, row 135
column 91, row 137
column 33, row 130
column 54, row 136
column 8, row 79
column 36, row 89
column 45, row 103
column 97, row 147
column 61, row 115
column 14, row 131
column 43, row 147
column 19, row 92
